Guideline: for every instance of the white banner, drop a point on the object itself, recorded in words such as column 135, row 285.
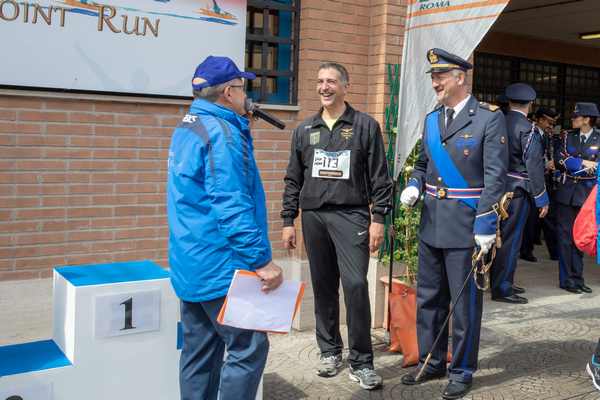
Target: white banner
column 456, row 26
column 125, row 46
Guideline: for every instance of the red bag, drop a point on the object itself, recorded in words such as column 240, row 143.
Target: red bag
column 585, row 231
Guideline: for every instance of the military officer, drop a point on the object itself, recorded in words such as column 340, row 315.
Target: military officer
column 525, row 178
column 576, row 157
column 545, row 119
column 461, row 185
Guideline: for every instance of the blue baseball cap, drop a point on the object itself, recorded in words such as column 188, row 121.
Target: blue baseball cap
column 520, row 93
column 442, row 61
column 216, row 70
column 586, row 110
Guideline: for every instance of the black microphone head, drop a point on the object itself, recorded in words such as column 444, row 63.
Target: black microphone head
column 249, row 105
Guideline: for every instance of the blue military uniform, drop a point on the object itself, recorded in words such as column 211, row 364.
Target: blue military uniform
column 572, row 190
column 461, row 185
column 525, row 178
column 548, row 224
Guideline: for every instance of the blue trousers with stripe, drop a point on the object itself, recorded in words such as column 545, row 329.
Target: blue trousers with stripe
column 203, row 374
column 570, row 261
column 505, row 263
column 441, row 275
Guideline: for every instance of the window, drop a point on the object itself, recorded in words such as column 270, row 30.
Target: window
column 272, row 28
column 557, row 85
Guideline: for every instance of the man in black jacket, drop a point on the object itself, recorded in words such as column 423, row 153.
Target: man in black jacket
column 337, row 169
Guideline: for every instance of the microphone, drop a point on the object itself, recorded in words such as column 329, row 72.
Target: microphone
column 258, row 113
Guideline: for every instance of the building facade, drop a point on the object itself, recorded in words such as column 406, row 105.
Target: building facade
column 82, row 175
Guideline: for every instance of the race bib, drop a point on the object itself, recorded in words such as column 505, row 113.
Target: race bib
column 331, row 164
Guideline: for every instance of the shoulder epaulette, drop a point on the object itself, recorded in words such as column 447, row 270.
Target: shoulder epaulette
column 488, row 106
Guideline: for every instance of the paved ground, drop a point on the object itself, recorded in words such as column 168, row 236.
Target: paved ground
column 536, row 351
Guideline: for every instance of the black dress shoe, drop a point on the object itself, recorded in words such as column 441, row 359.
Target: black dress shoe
column 518, row 289
column 529, row 257
column 409, row 379
column 585, row 289
column 513, row 299
column 456, row 390
column 572, row 289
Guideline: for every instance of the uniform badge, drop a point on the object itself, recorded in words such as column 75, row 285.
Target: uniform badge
column 467, row 136
column 432, row 57
column 315, row 137
column 493, row 107
column 346, row 133
column 502, row 139
column 466, row 152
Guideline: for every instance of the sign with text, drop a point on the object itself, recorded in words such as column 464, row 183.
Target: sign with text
column 32, row 391
column 126, row 46
column 127, row 313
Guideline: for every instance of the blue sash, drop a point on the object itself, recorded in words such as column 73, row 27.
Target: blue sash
column 440, row 157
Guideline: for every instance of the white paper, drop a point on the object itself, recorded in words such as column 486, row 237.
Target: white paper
column 250, row 308
column 111, row 313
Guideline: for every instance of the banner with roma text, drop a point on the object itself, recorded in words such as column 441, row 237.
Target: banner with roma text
column 126, row 46
column 456, row 26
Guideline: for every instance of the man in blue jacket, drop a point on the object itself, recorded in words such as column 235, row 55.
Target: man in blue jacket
column 218, row 223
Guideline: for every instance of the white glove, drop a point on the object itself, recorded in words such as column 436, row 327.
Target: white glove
column 409, row 196
column 485, row 242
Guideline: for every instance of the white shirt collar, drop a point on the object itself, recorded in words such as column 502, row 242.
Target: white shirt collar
column 458, row 108
column 520, row 112
column 586, row 134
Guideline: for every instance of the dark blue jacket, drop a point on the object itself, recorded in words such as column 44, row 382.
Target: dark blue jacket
column 575, row 183
column 215, row 203
column 476, row 143
column 526, row 158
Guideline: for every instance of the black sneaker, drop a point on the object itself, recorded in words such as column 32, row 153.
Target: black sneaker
column 366, row 378
column 593, row 370
column 330, row 366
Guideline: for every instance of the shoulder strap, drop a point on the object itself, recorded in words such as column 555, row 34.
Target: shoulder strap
column 442, row 160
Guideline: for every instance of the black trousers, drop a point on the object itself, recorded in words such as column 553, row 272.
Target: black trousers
column 442, row 273
column 548, row 226
column 570, row 261
column 337, row 245
column 504, row 266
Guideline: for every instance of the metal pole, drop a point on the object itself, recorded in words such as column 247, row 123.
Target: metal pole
column 392, row 239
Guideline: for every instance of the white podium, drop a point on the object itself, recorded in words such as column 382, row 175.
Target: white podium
column 116, row 336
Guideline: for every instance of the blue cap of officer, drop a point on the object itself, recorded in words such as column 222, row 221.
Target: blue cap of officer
column 216, row 70
column 520, row 93
column 442, row 61
column 586, row 110
column 501, row 99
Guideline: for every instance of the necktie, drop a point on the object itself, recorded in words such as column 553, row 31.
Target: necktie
column 449, row 117
column 582, row 138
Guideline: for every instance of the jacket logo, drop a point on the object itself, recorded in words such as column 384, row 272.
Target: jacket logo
column 190, row 118
column 346, row 133
column 315, row 137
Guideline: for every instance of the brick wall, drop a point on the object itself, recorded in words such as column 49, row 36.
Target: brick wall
column 82, row 179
